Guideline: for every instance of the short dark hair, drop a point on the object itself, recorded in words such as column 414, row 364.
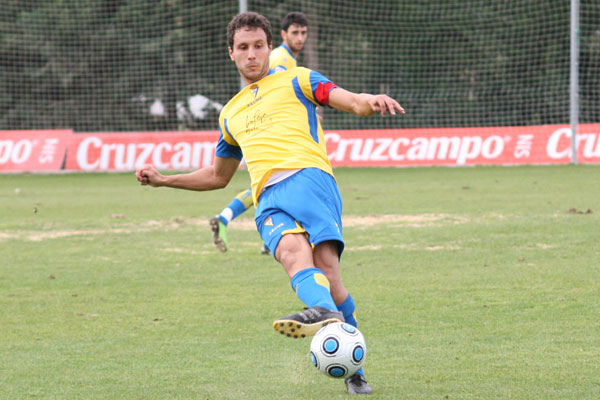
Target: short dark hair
column 292, row 18
column 250, row 20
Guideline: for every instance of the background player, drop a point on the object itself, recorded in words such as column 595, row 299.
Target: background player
column 273, row 122
column 294, row 29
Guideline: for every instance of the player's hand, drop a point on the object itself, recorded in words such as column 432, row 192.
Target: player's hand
column 382, row 103
column 148, row 175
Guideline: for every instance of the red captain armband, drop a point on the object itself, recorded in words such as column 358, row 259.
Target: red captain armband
column 322, row 92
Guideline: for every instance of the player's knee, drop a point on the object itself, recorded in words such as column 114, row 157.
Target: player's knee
column 326, row 256
column 294, row 250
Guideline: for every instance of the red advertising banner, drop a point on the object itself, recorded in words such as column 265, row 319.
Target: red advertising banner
column 131, row 150
column 24, row 151
column 547, row 144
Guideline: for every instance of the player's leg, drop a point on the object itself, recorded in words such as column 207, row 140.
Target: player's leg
column 277, row 214
column 218, row 224
column 264, row 250
column 294, row 253
column 310, row 284
column 326, row 257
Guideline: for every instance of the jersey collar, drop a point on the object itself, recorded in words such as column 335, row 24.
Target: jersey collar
column 288, row 50
column 271, row 72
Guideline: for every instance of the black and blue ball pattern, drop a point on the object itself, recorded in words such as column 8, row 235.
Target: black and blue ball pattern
column 338, row 350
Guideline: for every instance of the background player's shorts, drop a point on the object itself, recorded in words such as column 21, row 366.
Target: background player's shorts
column 308, row 201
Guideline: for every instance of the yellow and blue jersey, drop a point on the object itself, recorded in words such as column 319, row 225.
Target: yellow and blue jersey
column 274, row 123
column 282, row 59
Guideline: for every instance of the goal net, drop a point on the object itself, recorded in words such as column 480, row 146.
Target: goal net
column 162, row 65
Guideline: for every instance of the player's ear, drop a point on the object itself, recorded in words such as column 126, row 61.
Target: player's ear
column 230, row 53
column 283, row 34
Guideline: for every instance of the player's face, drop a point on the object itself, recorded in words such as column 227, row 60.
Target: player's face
column 295, row 37
column 251, row 54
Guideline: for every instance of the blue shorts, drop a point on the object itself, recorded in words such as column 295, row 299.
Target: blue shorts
column 307, row 202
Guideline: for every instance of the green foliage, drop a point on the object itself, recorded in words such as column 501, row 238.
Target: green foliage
column 471, row 283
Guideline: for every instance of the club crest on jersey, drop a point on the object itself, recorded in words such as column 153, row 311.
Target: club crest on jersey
column 257, row 98
column 268, row 221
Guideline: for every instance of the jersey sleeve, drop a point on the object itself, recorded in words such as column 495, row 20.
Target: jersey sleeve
column 321, row 87
column 227, row 147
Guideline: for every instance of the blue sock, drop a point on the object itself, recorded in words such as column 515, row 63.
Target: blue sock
column 224, row 220
column 232, row 211
column 312, row 287
column 347, row 308
column 237, row 207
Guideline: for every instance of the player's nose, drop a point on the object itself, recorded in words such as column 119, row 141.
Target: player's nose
column 251, row 54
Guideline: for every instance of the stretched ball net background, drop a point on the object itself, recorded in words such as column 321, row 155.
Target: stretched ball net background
column 106, row 65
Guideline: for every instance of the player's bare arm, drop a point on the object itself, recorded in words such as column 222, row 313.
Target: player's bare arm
column 363, row 104
column 216, row 176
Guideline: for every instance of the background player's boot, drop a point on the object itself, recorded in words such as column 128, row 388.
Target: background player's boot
column 356, row 384
column 307, row 322
column 264, row 250
column 219, row 231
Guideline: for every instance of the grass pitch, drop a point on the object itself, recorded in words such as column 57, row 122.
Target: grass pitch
column 471, row 283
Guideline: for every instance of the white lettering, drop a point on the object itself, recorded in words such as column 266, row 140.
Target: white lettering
column 442, row 145
column 144, row 156
column 382, row 145
column 394, row 153
column 552, row 146
column 523, row 147
column 183, row 156
column 334, row 138
column 418, row 151
column 202, row 153
column 588, row 140
column 492, row 147
column 48, row 150
column 157, row 155
column 16, row 153
column 356, row 154
column 125, row 159
column 128, row 156
column 83, row 153
column 105, row 151
column 6, row 147
column 469, row 149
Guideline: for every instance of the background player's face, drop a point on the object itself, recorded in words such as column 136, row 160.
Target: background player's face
column 295, row 37
column 250, row 53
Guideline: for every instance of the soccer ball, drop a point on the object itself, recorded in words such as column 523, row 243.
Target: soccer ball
column 338, row 350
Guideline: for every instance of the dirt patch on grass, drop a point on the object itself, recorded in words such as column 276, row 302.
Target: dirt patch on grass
column 355, row 221
column 419, row 220
column 243, row 224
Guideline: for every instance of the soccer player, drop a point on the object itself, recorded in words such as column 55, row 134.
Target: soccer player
column 273, row 122
column 293, row 32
